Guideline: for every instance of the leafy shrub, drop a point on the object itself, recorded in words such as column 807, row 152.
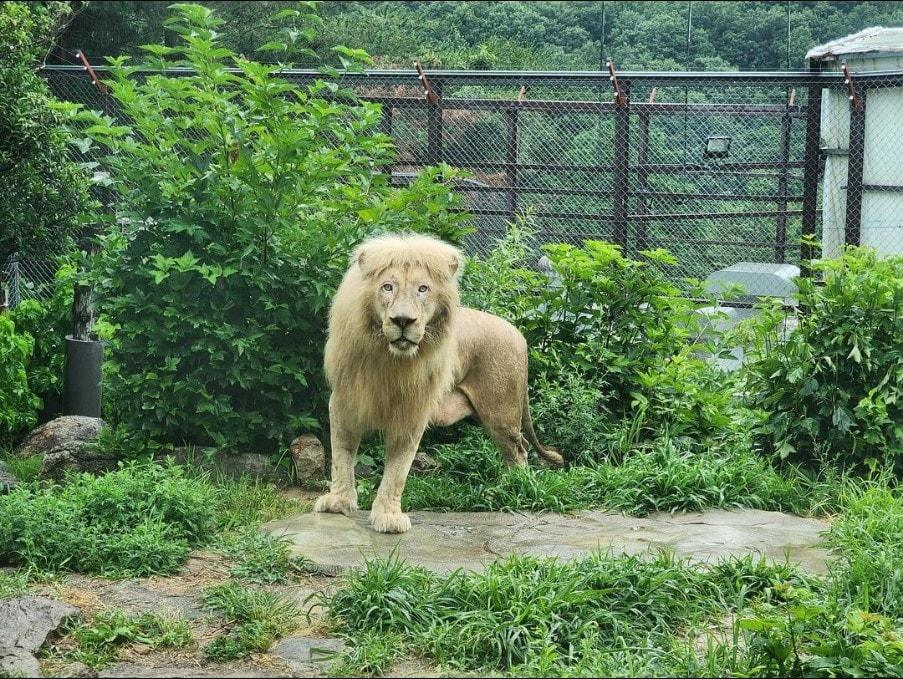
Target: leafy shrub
column 693, row 400
column 612, row 316
column 239, row 196
column 834, row 386
column 613, row 345
column 18, row 404
column 140, row 520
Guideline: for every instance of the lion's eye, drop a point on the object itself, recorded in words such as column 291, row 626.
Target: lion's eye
column 387, row 287
column 423, row 288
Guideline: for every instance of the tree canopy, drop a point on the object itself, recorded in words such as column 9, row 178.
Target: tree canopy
column 746, row 35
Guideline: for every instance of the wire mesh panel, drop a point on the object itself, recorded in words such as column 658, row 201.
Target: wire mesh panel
column 725, row 170
column 27, row 278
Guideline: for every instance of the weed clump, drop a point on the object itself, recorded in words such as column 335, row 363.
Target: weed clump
column 257, row 619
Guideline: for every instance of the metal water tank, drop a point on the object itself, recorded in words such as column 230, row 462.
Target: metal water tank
column 881, row 227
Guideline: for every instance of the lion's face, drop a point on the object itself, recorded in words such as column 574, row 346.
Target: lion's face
column 408, row 302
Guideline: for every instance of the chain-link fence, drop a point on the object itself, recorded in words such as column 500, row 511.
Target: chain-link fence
column 729, row 171
column 27, row 278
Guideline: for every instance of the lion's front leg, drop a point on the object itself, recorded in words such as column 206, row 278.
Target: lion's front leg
column 342, row 496
column 386, row 515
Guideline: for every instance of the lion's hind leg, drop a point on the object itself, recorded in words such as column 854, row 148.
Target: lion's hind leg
column 510, row 442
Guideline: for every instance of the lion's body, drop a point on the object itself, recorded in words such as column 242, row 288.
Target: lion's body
column 441, row 364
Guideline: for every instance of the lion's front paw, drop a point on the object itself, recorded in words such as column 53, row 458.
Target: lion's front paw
column 390, row 522
column 336, row 504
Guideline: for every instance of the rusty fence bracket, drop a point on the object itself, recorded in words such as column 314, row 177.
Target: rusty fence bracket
column 428, row 92
column 855, row 101
column 94, row 79
column 620, row 96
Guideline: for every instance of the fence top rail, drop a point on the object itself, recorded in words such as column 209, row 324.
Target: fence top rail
column 571, row 77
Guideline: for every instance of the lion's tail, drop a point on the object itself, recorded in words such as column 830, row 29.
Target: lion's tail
column 549, row 454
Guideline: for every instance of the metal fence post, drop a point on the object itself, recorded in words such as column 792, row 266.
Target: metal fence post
column 511, row 119
column 385, row 126
column 855, row 168
column 642, row 179
column 811, row 170
column 15, row 292
column 780, row 250
column 434, row 125
column 621, row 169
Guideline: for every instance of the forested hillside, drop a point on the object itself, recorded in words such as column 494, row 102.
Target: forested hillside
column 519, row 35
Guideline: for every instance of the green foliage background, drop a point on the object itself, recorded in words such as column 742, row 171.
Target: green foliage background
column 532, row 35
column 41, row 189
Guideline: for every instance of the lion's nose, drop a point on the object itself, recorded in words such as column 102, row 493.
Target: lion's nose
column 402, row 321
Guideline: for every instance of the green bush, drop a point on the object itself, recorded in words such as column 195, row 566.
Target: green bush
column 834, row 387
column 240, row 195
column 140, row 520
column 18, row 404
column 613, row 347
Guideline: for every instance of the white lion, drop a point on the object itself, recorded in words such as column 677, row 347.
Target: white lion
column 402, row 354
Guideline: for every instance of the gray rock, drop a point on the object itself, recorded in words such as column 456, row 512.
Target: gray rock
column 221, row 461
column 25, row 624
column 362, row 470
column 78, row 670
column 423, row 463
column 62, row 431
column 446, row 541
column 305, row 655
column 127, row 670
column 7, row 481
column 310, row 460
column 76, row 456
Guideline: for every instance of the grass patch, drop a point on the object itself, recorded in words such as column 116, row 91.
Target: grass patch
column 662, row 476
column 97, row 643
column 24, row 469
column 140, row 520
column 540, row 616
column 869, row 537
column 260, row 557
column 247, row 502
column 13, row 583
column 256, row 617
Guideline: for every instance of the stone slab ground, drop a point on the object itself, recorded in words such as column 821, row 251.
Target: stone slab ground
column 446, row 541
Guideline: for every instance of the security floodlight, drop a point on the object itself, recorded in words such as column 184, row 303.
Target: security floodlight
column 717, row 147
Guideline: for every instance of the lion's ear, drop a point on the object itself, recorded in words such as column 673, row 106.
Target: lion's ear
column 456, row 265
column 360, row 256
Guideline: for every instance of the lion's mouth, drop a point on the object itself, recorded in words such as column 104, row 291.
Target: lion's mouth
column 404, row 343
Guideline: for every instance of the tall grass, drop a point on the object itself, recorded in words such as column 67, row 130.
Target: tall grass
column 666, row 474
